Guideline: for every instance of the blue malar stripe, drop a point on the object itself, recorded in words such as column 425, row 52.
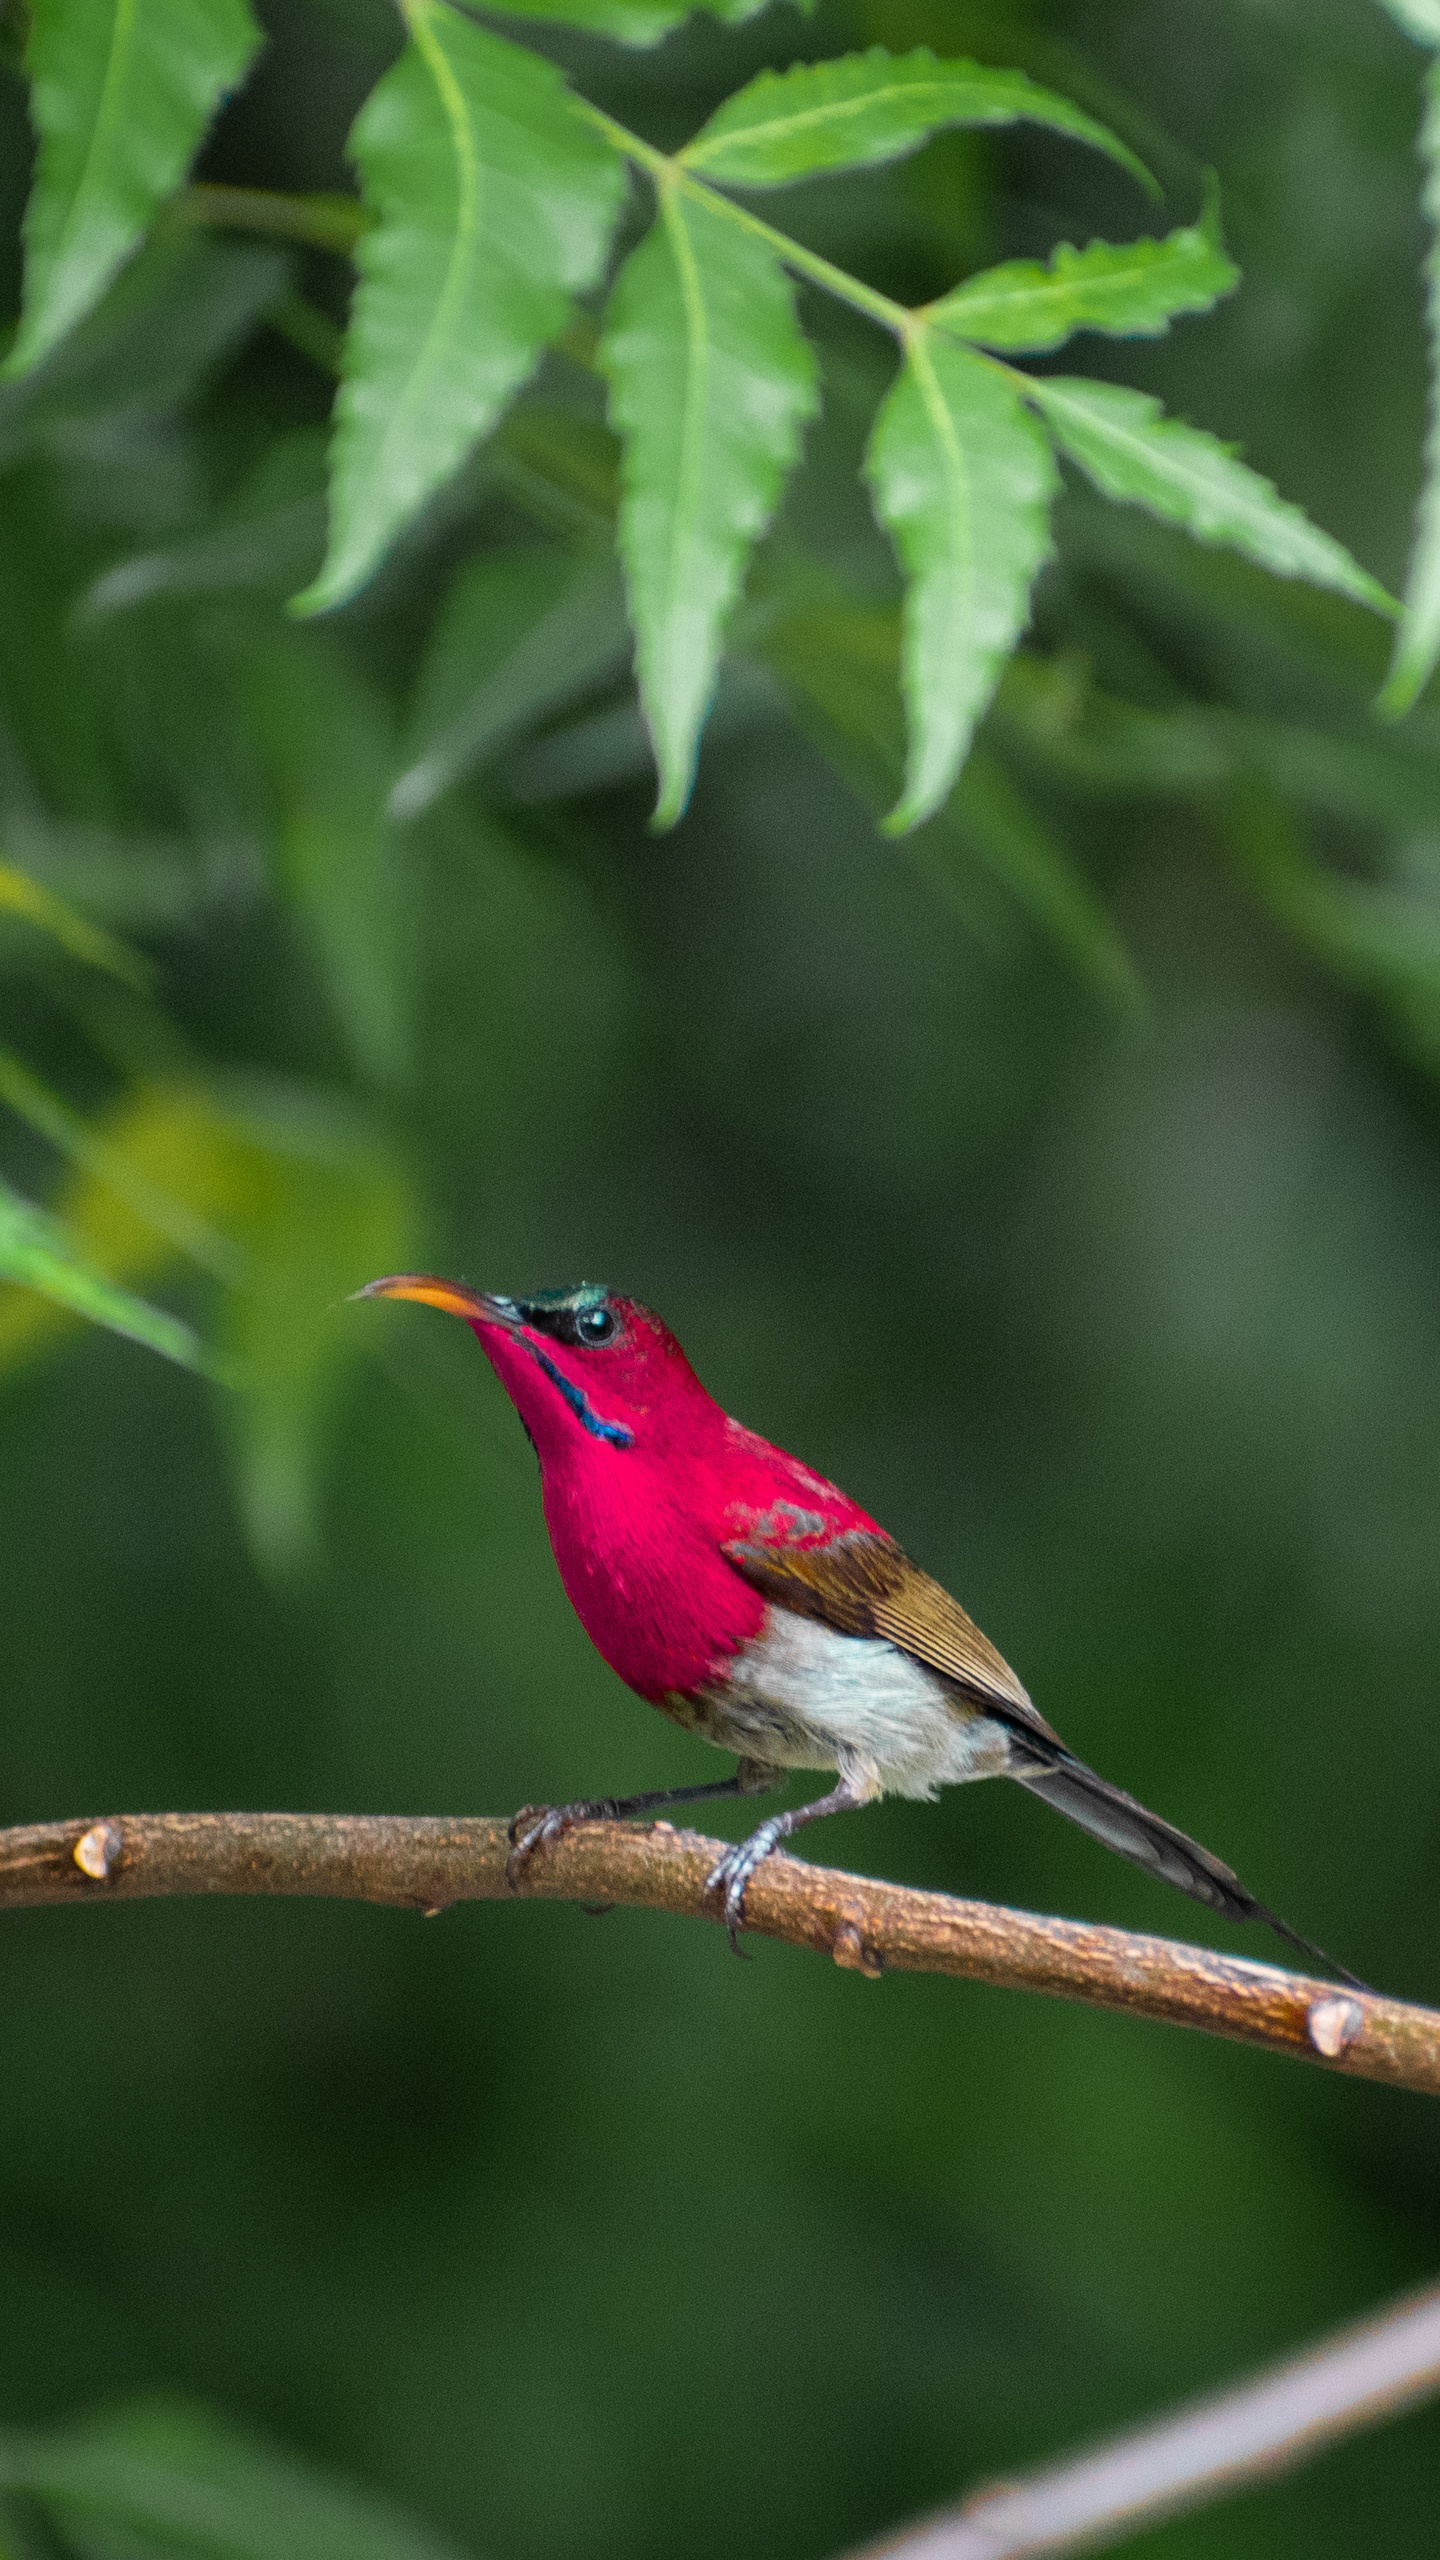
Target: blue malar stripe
column 580, row 1404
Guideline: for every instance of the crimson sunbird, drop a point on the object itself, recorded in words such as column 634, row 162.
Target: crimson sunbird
column 761, row 1608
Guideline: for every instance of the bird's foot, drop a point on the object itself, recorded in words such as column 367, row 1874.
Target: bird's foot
column 729, row 1878
column 542, row 1826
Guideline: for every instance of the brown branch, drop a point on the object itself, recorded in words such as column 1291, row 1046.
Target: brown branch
column 426, row 1863
column 1203, row 2451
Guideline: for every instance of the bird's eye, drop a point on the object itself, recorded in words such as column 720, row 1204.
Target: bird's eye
column 594, row 1324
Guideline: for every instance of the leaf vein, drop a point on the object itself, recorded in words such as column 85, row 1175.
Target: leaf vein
column 418, row 17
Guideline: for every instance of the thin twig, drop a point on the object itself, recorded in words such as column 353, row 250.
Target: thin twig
column 870, row 1928
column 1201, row 2452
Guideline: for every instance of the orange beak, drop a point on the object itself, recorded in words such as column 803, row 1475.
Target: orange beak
column 450, row 1296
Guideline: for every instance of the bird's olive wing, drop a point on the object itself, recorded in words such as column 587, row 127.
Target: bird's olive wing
column 862, row 1584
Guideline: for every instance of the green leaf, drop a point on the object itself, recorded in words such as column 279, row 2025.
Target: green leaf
column 159, row 1173
column 207, row 2489
column 711, row 382
column 522, row 634
column 865, row 107
column 1132, row 451
column 121, row 93
column 115, row 1171
column 636, row 21
column 1417, row 642
column 962, row 479
column 493, row 204
column 22, row 896
column 1129, row 292
column 38, row 1253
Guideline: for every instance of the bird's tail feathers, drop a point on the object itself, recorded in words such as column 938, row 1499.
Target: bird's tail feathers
column 1129, row 1827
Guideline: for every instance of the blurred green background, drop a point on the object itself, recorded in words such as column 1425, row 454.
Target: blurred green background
column 575, row 2236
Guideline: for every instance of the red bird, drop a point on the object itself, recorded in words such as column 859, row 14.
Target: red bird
column 760, row 1607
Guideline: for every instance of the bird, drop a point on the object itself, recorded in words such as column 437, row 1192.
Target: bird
column 762, row 1609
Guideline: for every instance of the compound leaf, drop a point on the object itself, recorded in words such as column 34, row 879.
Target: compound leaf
column 1133, row 291
column 874, row 106
column 1132, row 451
column 962, row 480
column 710, row 382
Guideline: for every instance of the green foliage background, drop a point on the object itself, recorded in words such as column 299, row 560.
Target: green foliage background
column 1063, row 1179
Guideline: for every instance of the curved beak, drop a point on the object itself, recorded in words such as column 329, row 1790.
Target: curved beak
column 450, row 1296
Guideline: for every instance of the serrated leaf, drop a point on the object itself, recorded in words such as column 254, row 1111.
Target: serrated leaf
column 1132, row 451
column 1417, row 642
column 493, row 204
column 121, row 92
column 37, row 1252
column 962, row 480
column 1134, row 291
column 711, row 382
column 522, row 634
column 866, row 107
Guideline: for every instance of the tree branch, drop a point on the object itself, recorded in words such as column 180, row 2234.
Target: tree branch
column 1201, row 2452
column 426, row 1863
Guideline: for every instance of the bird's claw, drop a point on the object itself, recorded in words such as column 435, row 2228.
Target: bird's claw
column 729, row 1879
column 540, row 1826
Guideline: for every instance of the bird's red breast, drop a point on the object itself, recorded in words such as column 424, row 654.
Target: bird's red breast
column 640, row 1530
column 645, row 1480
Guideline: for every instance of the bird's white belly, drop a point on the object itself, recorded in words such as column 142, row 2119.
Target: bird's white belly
column 801, row 1696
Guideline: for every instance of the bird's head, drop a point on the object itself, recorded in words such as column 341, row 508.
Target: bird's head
column 587, row 1370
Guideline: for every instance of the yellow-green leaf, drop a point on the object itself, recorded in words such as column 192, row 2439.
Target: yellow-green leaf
column 39, row 1254
column 22, row 896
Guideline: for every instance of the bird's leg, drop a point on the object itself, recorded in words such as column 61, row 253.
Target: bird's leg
column 733, row 1872
column 539, row 1826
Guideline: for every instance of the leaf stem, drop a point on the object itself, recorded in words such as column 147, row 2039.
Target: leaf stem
column 675, row 174
column 317, row 222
